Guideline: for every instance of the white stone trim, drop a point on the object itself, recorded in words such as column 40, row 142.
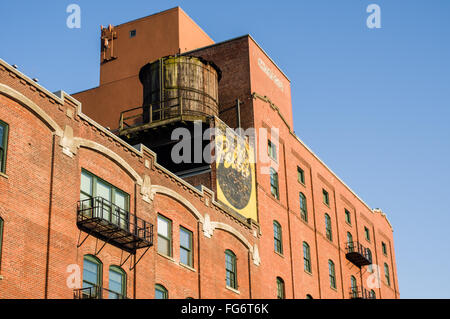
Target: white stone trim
column 33, row 107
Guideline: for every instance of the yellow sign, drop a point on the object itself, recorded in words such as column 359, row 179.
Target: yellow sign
column 235, row 171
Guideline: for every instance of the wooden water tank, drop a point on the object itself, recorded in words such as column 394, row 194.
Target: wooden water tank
column 180, row 86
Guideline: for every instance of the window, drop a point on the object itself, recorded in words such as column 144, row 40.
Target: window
column 3, row 145
column 92, row 187
column 186, row 247
column 367, row 233
column 369, row 257
column 92, row 276
column 348, row 217
column 328, row 230
column 132, row 33
column 372, row 294
column 332, row 274
column 230, row 268
column 350, row 242
column 384, row 248
column 280, row 288
column 326, row 197
column 277, row 236
column 117, row 283
column 309, row 297
column 354, row 287
column 386, row 274
column 274, row 183
column 307, row 257
column 161, row 292
column 272, row 150
column 1, row 241
column 303, row 211
column 301, row 175
column 164, row 236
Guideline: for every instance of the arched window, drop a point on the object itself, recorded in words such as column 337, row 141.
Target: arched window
column 278, row 237
column 386, row 274
column 307, row 257
column 92, row 277
column 353, row 287
column 303, row 211
column 372, row 294
column 231, row 269
column 332, row 274
column 328, row 227
column 117, row 283
column 161, row 292
column 280, row 288
column 350, row 242
column 1, row 240
column 274, row 183
column 309, row 296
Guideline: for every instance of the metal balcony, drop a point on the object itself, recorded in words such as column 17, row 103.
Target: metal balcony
column 357, row 254
column 112, row 224
column 357, row 293
column 96, row 292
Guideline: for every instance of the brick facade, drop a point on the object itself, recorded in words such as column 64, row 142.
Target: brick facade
column 50, row 141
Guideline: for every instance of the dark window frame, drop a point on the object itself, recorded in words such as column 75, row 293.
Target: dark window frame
column 231, row 269
column 278, row 240
column 326, row 197
column 307, row 257
column 98, row 262
column 328, row 227
column 387, row 275
column 272, row 150
column 348, row 216
column 384, row 248
column 4, row 146
column 332, row 273
column 190, row 250
column 303, row 208
column 367, row 233
column 300, row 175
column 114, row 191
column 163, row 290
column 274, row 184
column 123, row 273
column 281, row 292
column 169, row 231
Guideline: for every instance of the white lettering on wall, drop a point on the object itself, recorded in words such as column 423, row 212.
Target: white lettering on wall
column 270, row 74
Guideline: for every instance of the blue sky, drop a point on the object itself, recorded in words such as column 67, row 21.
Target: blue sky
column 374, row 104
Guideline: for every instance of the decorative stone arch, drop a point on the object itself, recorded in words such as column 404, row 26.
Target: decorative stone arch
column 233, row 231
column 88, row 144
column 158, row 189
column 31, row 106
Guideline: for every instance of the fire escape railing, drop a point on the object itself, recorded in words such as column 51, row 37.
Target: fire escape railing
column 357, row 254
column 110, row 223
column 361, row 293
column 95, row 292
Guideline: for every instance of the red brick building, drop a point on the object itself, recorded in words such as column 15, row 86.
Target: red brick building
column 82, row 208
